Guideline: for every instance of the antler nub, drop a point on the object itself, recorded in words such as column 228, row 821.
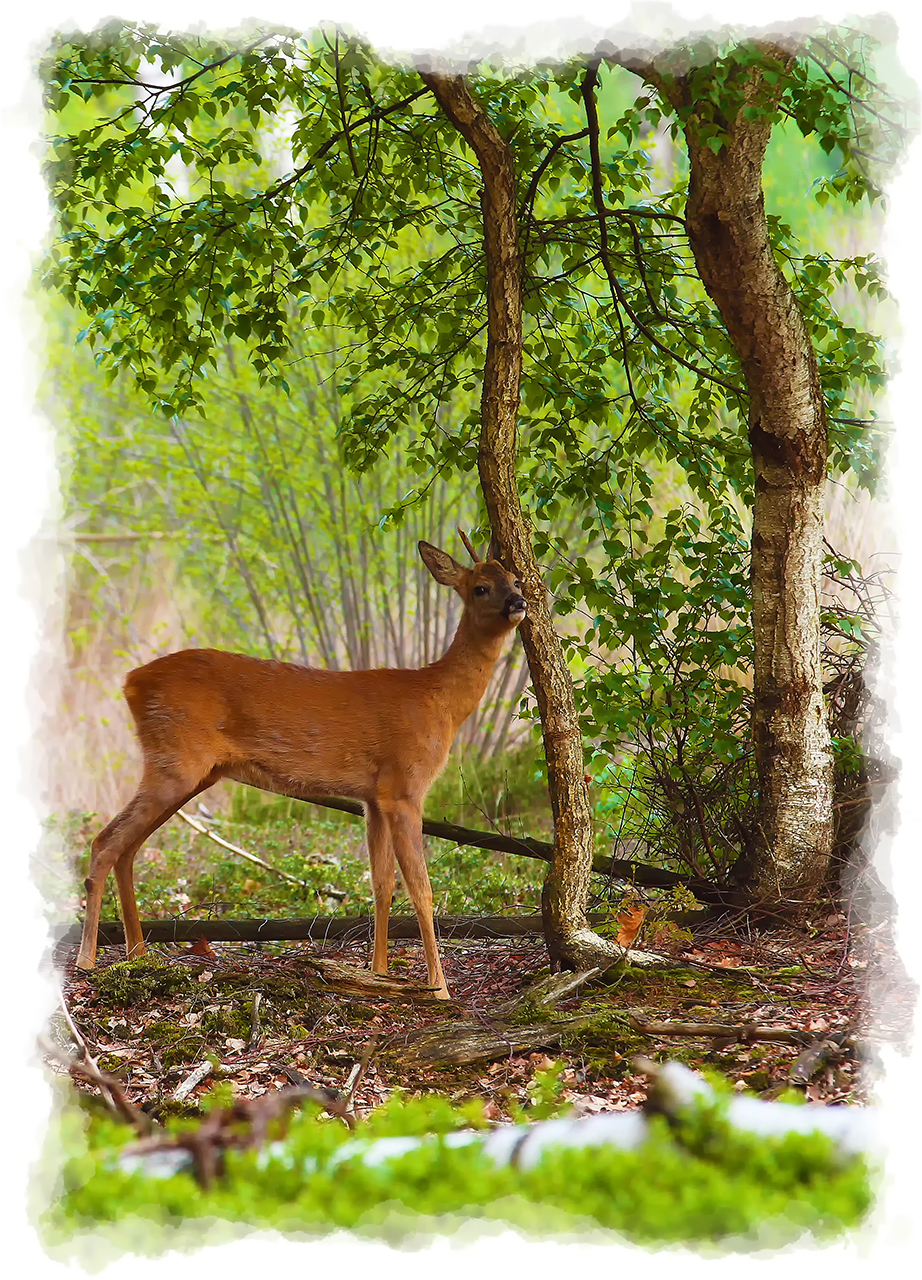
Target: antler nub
column 467, row 542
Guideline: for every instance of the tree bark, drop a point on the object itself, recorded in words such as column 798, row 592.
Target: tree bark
column 728, row 233
column 571, row 942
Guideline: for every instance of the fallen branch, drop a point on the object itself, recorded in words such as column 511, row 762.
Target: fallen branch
column 200, row 1073
column 673, row 1091
column 254, row 1022
column 463, row 1044
column 816, row 1055
column 241, row 853
column 528, row 847
column 675, row 1088
column 545, row 993
column 350, row 978
column 357, row 1074
column 316, row 928
column 111, row 1090
column 747, row 1033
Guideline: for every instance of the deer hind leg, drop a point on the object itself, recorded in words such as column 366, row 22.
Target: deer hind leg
column 381, row 864
column 406, row 824
column 157, row 799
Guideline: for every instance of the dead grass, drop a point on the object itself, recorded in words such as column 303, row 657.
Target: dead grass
column 88, row 744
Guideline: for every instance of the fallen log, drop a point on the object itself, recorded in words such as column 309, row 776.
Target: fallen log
column 673, row 1090
column 824, row 1050
column 314, row 928
column 744, row 1033
column 458, row 1046
column 528, row 847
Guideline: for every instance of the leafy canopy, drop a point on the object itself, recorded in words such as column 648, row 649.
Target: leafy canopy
column 216, row 195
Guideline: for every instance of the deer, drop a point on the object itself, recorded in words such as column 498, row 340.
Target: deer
column 379, row 736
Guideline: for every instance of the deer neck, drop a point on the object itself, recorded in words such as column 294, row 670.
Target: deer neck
column 465, row 667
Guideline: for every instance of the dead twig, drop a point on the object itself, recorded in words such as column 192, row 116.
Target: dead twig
column 243, row 1125
column 200, row 1073
column 747, row 1033
column 255, row 1028
column 111, row 1090
column 463, row 1044
column 357, row 1074
column 826, row 1049
column 241, row 853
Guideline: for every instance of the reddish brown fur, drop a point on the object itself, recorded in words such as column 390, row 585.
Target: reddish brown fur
column 379, row 736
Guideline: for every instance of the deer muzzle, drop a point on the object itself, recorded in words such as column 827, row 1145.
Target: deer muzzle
column 515, row 608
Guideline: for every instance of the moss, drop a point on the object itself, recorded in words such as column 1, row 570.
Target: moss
column 164, row 1032
column 132, row 982
column 170, row 1109
column 697, row 1180
column 758, row 1080
column 226, row 1021
column 111, row 1065
column 174, row 1044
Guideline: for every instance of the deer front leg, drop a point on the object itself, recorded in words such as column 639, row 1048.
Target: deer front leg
column 124, row 879
column 381, row 864
column 406, row 822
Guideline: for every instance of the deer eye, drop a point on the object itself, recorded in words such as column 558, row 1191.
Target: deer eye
column 481, row 591
column 517, row 585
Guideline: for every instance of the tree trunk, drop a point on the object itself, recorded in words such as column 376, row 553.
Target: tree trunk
column 728, row 232
column 571, row 942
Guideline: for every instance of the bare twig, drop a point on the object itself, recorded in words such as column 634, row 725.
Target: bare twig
column 255, row 1028
column 78, row 1039
column 357, row 1073
column 220, row 1129
column 201, row 1072
column 816, row 1055
column 242, row 853
column 748, row 1033
column 113, row 1094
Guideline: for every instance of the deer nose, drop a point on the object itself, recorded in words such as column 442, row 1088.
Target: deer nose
column 515, row 608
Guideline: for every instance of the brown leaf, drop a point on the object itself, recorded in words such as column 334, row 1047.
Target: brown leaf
column 201, row 947
column 540, row 1061
column 630, row 922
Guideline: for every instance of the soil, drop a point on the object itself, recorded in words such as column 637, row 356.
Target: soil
column 151, row 1022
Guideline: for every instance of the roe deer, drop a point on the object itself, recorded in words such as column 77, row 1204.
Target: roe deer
column 379, row 736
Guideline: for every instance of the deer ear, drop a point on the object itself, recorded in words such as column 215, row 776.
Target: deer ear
column 440, row 564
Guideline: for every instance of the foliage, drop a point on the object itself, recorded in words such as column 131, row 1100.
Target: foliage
column 251, row 516
column 697, row 1181
column 180, row 873
column 219, row 197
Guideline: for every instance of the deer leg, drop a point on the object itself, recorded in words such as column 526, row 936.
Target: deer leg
column 381, row 863
column 116, row 846
column 406, row 825
column 128, row 905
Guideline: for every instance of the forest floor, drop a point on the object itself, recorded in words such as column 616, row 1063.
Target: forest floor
column 747, row 1005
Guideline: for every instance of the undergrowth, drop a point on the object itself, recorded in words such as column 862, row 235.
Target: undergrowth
column 698, row 1180
column 179, row 872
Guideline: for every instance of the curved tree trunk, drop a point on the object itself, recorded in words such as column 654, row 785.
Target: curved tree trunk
column 570, row 940
column 728, row 232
